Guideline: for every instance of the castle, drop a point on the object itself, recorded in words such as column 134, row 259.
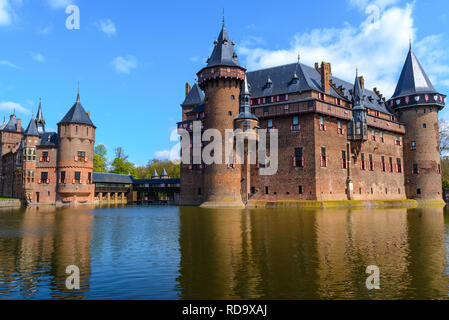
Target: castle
column 337, row 140
column 43, row 167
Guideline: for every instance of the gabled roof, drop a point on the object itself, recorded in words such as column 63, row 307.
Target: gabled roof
column 32, row 128
column 195, row 97
column 413, row 78
column 100, row 177
column 223, row 54
column 77, row 114
column 48, row 139
column 309, row 78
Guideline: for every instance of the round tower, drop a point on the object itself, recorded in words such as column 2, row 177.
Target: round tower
column 76, row 136
column 417, row 104
column 221, row 80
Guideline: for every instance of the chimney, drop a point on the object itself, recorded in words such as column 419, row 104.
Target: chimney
column 187, row 89
column 325, row 76
column 19, row 125
column 362, row 82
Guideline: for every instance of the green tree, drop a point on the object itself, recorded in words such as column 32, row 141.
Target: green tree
column 121, row 165
column 100, row 160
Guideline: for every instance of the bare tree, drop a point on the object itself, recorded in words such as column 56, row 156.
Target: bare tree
column 444, row 136
column 120, row 153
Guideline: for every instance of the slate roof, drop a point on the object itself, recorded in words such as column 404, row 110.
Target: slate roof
column 100, row 177
column 291, row 78
column 164, row 173
column 195, row 110
column 156, row 181
column 195, row 97
column 77, row 114
column 48, row 139
column 223, row 53
column 12, row 125
column 413, row 78
column 32, row 128
column 155, row 174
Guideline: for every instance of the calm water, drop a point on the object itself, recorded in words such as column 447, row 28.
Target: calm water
column 191, row 253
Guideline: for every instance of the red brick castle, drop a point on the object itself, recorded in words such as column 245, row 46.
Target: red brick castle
column 337, row 140
column 44, row 167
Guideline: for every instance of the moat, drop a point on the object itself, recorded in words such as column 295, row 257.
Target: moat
column 139, row 252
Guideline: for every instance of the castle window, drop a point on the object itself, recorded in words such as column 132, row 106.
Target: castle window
column 340, row 128
column 324, row 160
column 371, row 163
column 391, row 164
column 398, row 165
column 362, row 162
column 298, row 159
column 267, row 190
column 295, row 124
column 77, row 179
column 413, row 146
column 62, row 177
column 89, row 178
column 398, row 141
column 373, row 135
column 439, row 169
column 199, row 191
column 384, row 165
column 382, row 137
column 76, row 129
column 81, row 156
column 87, row 130
column 344, row 160
column 253, row 190
column 415, row 169
column 44, row 178
column 230, row 113
column 424, row 125
column 269, row 125
column 300, row 190
column 232, row 97
column 45, row 157
column 418, row 191
column 322, row 125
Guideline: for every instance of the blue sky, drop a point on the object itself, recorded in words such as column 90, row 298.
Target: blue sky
column 133, row 58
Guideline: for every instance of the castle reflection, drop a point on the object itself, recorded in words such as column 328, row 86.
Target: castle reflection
column 316, row 254
column 36, row 246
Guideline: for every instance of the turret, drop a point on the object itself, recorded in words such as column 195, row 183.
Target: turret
column 358, row 128
column 29, row 143
column 76, row 135
column 155, row 175
column 40, row 121
column 164, row 174
column 221, row 80
column 417, row 103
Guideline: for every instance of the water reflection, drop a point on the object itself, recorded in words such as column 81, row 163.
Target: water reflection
column 191, row 253
column 287, row 254
column 37, row 245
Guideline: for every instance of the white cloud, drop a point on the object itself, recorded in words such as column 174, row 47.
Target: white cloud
column 6, row 13
column 378, row 47
column 124, row 64
column 58, row 4
column 9, row 64
column 162, row 155
column 107, row 26
column 38, row 57
column 44, row 30
column 13, row 106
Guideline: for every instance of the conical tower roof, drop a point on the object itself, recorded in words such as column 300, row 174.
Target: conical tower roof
column 164, row 174
column 155, row 175
column 223, row 53
column 32, row 128
column 413, row 79
column 77, row 114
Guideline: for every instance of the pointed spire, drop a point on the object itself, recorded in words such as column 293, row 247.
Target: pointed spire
column 223, row 17
column 245, row 106
column 223, row 53
column 155, row 175
column 358, row 92
column 413, row 79
column 78, row 95
column 164, row 174
column 32, row 129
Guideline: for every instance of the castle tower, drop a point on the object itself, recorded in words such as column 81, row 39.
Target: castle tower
column 76, row 135
column 248, row 123
column 417, row 104
column 40, row 121
column 221, row 80
column 30, row 141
